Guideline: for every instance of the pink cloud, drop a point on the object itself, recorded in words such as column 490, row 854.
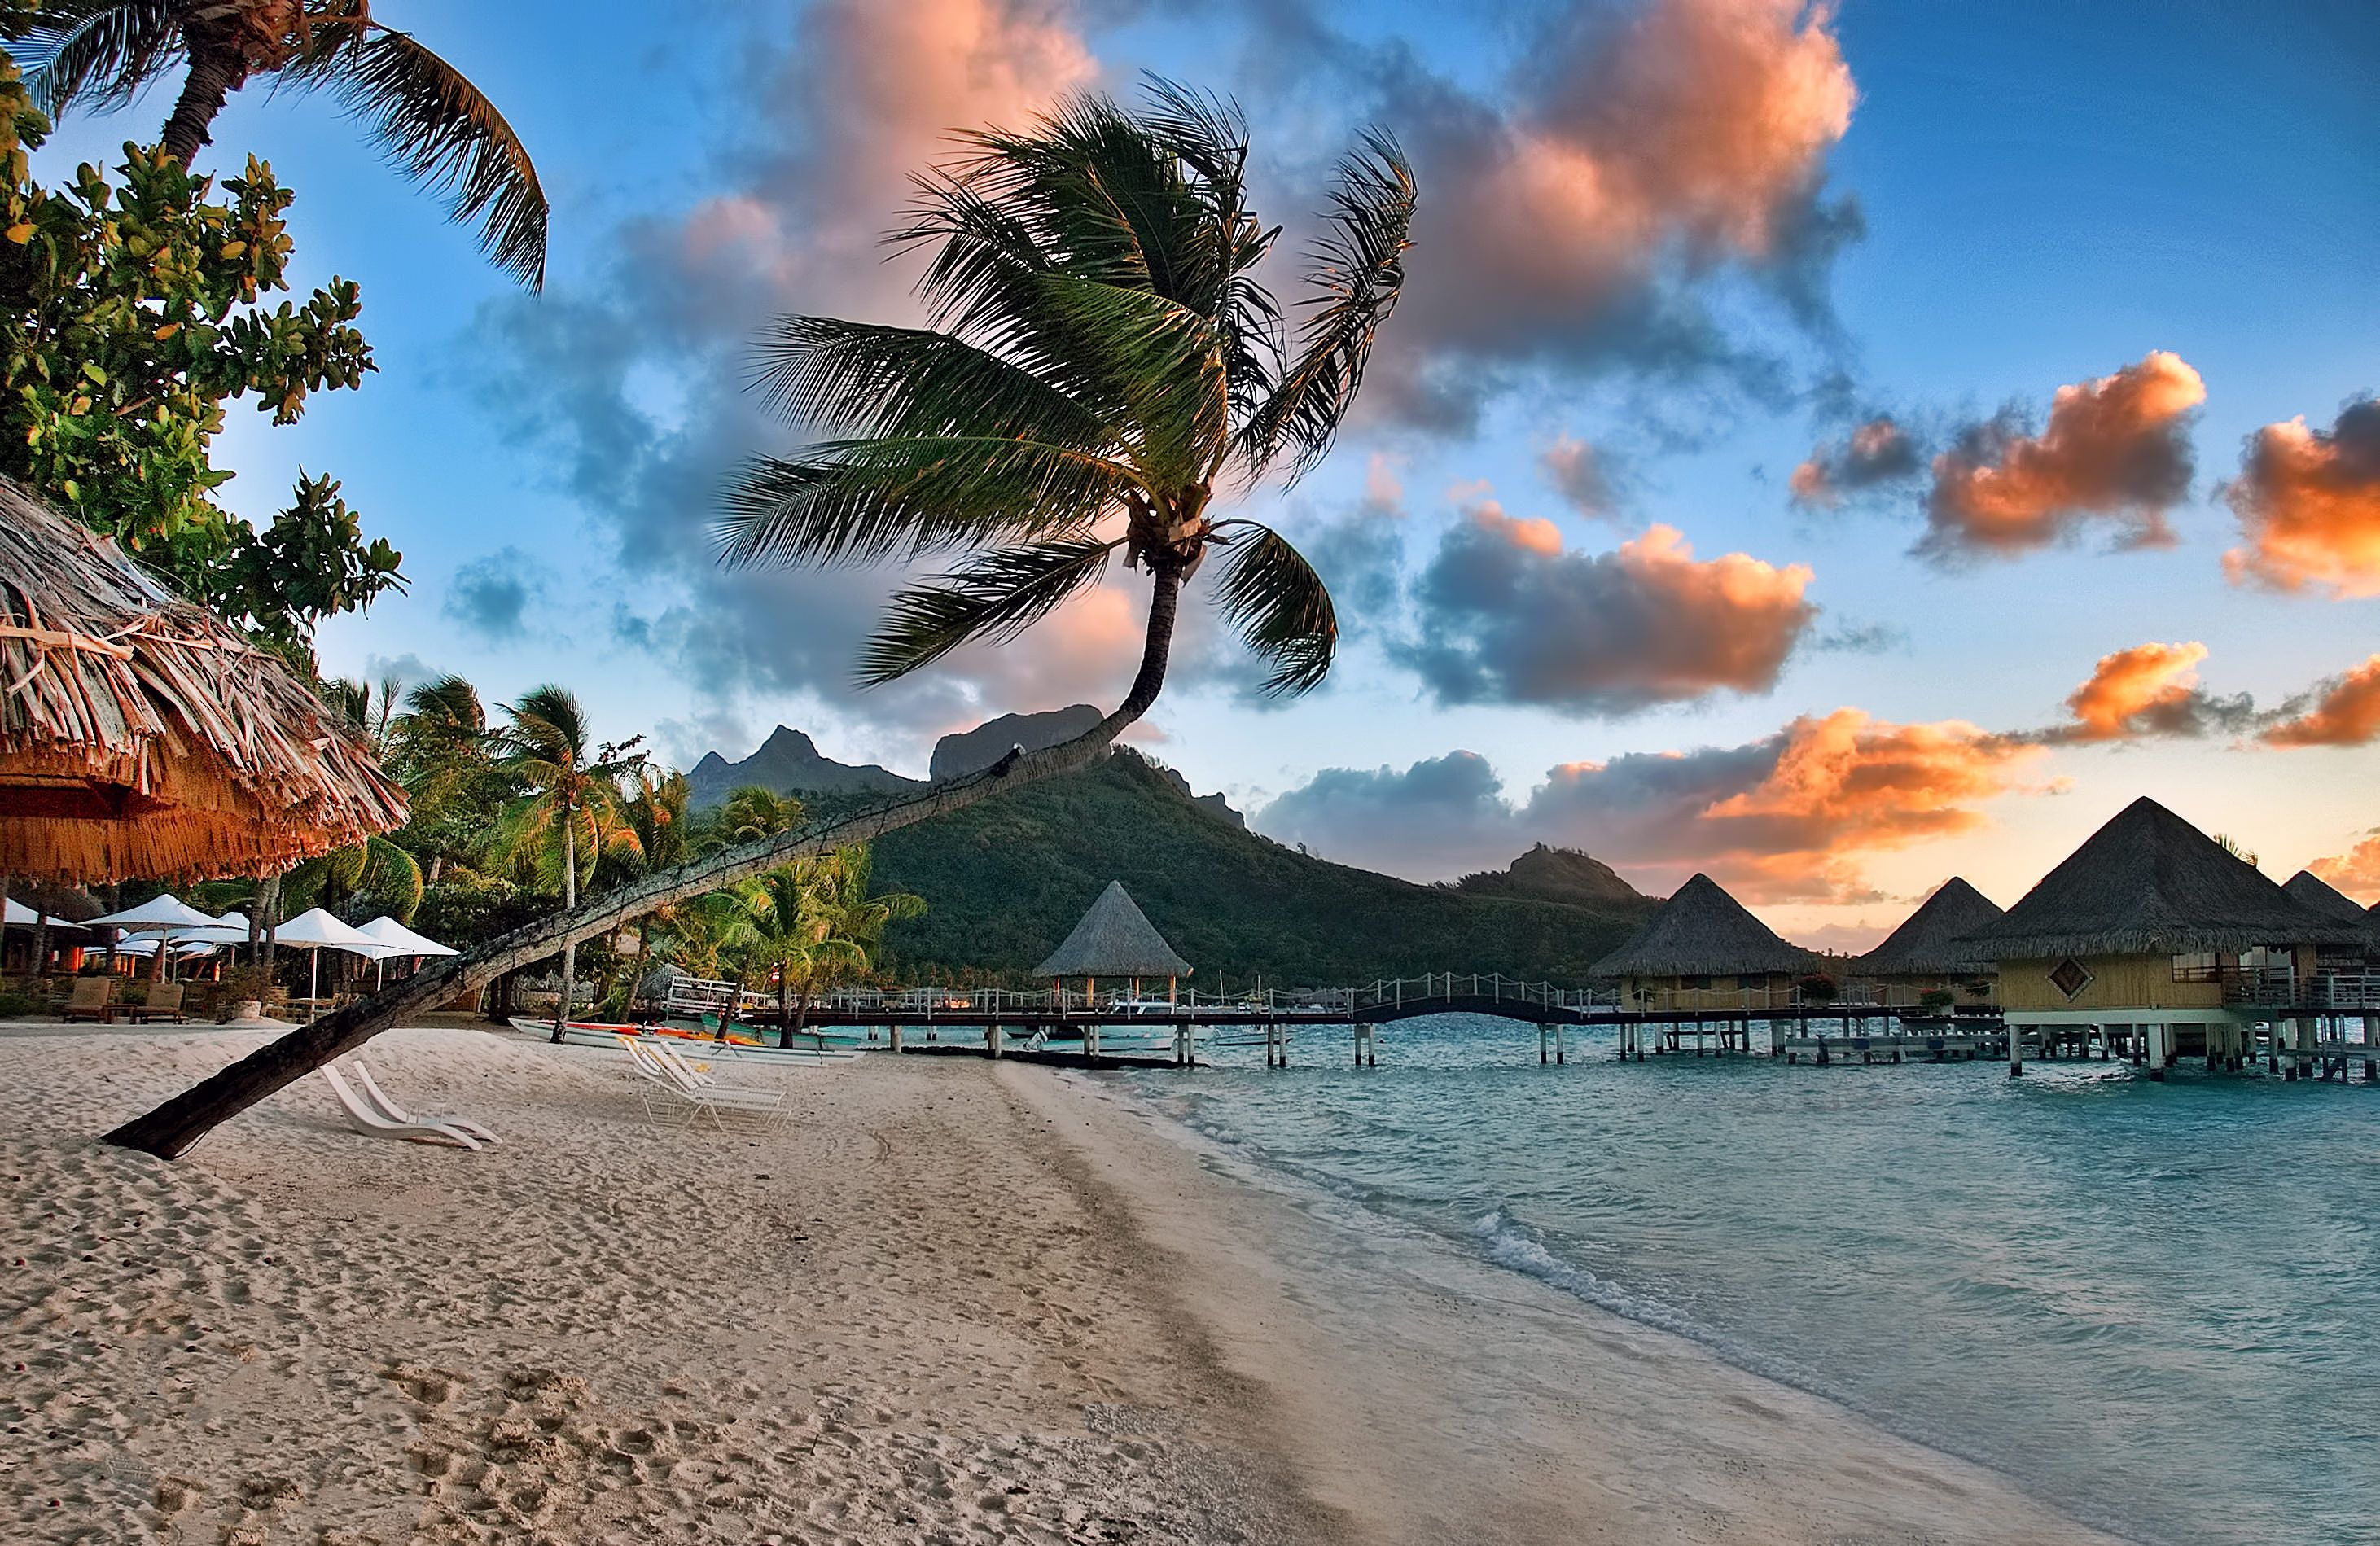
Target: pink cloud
column 2309, row 505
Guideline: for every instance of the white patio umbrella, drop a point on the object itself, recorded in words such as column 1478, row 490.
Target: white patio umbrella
column 22, row 917
column 318, row 931
column 161, row 915
column 400, row 941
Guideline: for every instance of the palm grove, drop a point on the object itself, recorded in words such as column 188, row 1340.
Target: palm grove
column 1102, row 357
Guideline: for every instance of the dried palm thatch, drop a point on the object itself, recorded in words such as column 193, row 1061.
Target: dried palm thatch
column 1115, row 939
column 1702, row 931
column 2323, row 897
column 141, row 735
column 2149, row 883
column 1931, row 941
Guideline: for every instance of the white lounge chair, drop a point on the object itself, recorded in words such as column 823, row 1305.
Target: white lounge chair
column 366, row 1120
column 395, row 1113
column 673, row 1095
column 694, row 1078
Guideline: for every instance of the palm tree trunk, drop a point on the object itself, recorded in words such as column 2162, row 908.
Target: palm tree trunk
column 40, row 949
column 170, row 1129
column 569, row 901
column 217, row 72
column 267, row 911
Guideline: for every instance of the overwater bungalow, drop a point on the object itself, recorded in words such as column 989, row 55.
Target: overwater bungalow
column 2153, row 940
column 1927, row 954
column 2327, row 900
column 1704, row 952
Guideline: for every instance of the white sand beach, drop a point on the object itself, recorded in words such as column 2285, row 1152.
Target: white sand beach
column 946, row 1301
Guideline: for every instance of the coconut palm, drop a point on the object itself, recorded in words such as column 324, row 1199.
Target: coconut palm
column 574, row 809
column 751, row 812
column 1103, row 354
column 434, row 126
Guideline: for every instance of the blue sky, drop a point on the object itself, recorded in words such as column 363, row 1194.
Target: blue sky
column 1700, row 238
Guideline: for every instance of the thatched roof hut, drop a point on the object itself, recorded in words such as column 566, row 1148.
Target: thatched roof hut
column 2149, row 883
column 1115, row 939
column 141, row 735
column 1702, row 931
column 1932, row 939
column 2325, row 899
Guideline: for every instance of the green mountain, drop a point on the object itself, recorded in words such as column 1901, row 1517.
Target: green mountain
column 1006, row 880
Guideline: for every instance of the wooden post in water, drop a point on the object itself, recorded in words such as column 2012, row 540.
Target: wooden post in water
column 2016, row 1049
column 1558, row 1042
column 1542, row 1059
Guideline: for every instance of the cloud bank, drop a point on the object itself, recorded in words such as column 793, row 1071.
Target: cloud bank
column 2343, row 711
column 1786, row 818
column 2309, row 506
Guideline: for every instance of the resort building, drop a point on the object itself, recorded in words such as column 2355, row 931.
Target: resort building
column 1927, row 954
column 1703, row 951
column 2153, row 939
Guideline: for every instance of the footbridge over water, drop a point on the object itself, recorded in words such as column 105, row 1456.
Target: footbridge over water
column 1027, row 1021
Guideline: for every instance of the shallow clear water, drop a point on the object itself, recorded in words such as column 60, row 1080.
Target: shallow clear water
column 2156, row 1306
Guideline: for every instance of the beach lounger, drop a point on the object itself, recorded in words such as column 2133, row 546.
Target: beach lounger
column 364, row 1119
column 395, row 1113
column 164, row 1002
column 91, row 998
column 673, row 1095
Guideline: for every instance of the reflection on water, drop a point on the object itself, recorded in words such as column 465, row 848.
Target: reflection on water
column 2154, row 1305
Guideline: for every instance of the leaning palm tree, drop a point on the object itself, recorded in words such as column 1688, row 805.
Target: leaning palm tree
column 1103, row 354
column 433, row 123
column 574, row 809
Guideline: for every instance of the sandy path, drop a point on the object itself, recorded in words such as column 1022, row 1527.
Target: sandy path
column 904, row 1317
column 1425, row 1397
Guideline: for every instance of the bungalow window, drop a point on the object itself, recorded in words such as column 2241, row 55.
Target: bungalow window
column 2197, row 966
column 1702, row 982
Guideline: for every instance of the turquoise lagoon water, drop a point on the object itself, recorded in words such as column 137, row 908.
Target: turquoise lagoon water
column 2154, row 1306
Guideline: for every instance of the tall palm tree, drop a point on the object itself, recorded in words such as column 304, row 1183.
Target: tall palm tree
column 574, row 807
column 1102, row 353
column 434, row 126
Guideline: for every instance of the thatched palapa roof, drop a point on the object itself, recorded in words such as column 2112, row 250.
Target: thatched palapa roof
column 2149, row 883
column 143, row 735
column 1115, row 939
column 1700, row 931
column 1932, row 939
column 2325, row 899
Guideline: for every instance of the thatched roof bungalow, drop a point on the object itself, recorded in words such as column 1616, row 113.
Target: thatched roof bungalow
column 2321, row 896
column 2148, row 918
column 1703, row 950
column 1115, row 939
column 1928, row 951
column 143, row 736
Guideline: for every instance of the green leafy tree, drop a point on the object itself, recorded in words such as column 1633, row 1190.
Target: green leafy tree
column 574, row 807
column 1103, row 351
column 129, row 316
column 844, row 921
column 434, row 126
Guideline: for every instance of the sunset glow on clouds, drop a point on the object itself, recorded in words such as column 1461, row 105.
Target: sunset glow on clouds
column 2344, row 711
column 1505, row 615
column 1878, row 451
column 1788, row 818
column 2139, row 690
column 2356, row 871
column 2115, row 450
column 2309, row 505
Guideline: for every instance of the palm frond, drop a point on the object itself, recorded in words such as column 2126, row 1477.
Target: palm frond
column 439, row 130
column 1354, row 272
column 393, row 876
column 995, row 598
column 874, row 381
column 99, row 52
column 857, row 502
column 1281, row 608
